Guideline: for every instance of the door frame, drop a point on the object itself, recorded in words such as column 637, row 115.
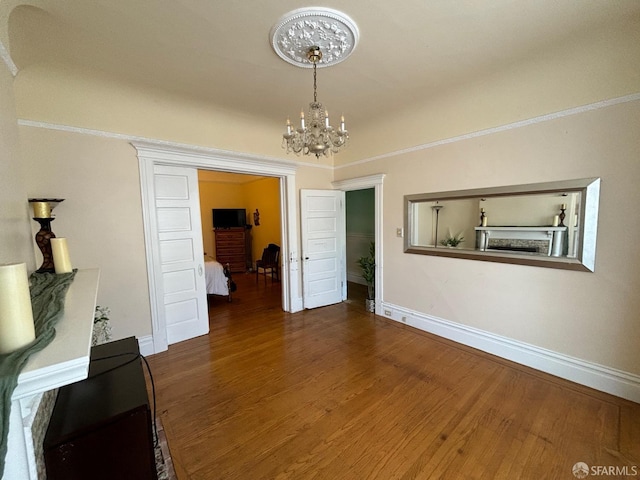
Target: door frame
column 225, row 161
column 362, row 183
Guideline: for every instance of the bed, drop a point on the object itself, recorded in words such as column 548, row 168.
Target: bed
column 218, row 278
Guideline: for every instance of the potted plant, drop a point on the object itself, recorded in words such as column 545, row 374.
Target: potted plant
column 368, row 265
column 452, row 241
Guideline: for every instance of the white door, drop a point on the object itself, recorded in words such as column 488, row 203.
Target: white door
column 323, row 247
column 181, row 252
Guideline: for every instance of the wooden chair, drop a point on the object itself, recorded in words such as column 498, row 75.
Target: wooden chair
column 270, row 262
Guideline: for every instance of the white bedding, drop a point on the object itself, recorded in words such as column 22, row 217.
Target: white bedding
column 216, row 280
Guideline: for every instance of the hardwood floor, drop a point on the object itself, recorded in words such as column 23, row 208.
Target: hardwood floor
column 338, row 393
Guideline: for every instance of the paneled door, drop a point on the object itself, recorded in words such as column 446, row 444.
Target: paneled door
column 181, row 252
column 323, row 247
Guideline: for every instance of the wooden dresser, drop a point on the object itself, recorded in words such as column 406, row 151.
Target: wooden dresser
column 231, row 248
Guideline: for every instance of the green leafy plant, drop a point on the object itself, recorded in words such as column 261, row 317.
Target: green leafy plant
column 368, row 265
column 452, row 241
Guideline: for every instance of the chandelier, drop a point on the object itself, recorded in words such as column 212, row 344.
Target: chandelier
column 315, row 134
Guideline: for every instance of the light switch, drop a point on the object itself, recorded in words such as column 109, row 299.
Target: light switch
column 399, row 232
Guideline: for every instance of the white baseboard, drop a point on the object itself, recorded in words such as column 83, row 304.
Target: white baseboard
column 355, row 278
column 610, row 380
column 146, row 345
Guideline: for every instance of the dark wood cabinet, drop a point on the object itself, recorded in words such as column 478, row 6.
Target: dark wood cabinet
column 101, row 427
column 231, row 248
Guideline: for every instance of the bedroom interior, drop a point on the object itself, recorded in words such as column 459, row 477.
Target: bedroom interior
column 105, row 107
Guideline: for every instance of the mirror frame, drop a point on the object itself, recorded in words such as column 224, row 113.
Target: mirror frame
column 585, row 258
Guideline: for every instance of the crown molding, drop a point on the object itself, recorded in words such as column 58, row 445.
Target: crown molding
column 164, row 144
column 8, row 61
column 502, row 128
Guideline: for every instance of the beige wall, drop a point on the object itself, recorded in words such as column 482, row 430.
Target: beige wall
column 15, row 232
column 101, row 215
column 591, row 316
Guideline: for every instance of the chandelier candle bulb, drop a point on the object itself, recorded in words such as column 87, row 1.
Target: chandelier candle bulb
column 61, row 260
column 288, row 127
column 342, row 123
column 326, row 118
column 302, row 119
column 16, row 315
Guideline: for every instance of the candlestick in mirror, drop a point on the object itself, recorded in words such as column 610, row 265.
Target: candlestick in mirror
column 562, row 215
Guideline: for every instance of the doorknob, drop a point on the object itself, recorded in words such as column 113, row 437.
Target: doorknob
column 200, row 270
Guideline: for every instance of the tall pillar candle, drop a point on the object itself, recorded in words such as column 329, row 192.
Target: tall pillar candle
column 60, row 250
column 16, row 316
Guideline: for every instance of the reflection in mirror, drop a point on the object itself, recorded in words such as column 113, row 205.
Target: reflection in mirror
column 550, row 224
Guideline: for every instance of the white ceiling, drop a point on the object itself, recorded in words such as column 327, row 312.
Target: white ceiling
column 220, row 52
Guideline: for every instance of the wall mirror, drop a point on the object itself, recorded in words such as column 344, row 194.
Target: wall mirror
column 551, row 224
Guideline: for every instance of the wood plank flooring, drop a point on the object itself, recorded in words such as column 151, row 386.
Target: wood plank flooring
column 337, row 393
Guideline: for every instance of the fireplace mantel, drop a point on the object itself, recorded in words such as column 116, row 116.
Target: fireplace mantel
column 554, row 236
column 65, row 360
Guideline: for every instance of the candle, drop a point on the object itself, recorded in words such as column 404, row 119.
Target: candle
column 61, row 260
column 342, row 123
column 484, row 221
column 482, row 210
column 302, row 119
column 556, row 220
column 564, row 206
column 16, row 316
column 41, row 209
column 288, row 126
column 326, row 118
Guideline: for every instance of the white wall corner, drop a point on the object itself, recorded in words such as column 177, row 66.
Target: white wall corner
column 605, row 379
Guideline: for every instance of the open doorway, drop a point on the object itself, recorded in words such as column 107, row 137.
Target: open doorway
column 240, row 216
column 372, row 184
column 150, row 155
column 360, row 235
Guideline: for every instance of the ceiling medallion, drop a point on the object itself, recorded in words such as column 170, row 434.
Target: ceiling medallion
column 333, row 32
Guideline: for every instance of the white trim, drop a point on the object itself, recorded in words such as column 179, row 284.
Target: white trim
column 502, row 128
column 166, row 145
column 152, row 154
column 606, row 379
column 145, row 344
column 376, row 182
column 8, row 61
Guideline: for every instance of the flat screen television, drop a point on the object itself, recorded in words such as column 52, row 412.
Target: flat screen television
column 229, row 217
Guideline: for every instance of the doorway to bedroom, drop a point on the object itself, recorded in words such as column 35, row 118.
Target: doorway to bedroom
column 256, row 199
